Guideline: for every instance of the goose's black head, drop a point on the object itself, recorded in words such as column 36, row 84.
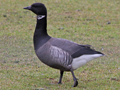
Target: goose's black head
column 37, row 8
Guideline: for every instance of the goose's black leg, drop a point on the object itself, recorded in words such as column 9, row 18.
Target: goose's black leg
column 61, row 75
column 74, row 78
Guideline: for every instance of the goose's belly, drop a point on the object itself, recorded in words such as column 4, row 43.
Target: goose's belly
column 82, row 60
column 54, row 62
column 55, row 57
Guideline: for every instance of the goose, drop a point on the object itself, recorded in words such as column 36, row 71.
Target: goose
column 58, row 53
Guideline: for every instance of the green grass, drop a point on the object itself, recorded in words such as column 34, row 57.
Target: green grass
column 84, row 22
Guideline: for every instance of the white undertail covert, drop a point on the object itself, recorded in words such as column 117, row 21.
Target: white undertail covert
column 82, row 60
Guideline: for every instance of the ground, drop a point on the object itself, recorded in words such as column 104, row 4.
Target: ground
column 85, row 22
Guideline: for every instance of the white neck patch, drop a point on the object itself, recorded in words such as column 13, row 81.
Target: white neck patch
column 39, row 17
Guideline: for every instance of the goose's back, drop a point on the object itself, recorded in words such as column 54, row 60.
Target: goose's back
column 74, row 49
column 66, row 45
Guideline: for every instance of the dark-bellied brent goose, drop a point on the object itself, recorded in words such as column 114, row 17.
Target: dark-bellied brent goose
column 58, row 53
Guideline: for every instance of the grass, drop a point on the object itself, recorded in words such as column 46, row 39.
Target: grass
column 84, row 22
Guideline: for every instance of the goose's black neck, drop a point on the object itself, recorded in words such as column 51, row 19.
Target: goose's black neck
column 40, row 34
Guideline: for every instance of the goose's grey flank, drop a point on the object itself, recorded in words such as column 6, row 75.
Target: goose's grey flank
column 58, row 53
